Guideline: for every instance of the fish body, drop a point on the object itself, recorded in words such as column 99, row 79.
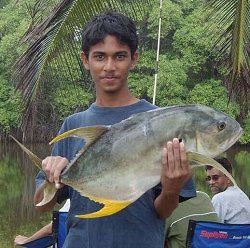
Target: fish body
column 121, row 162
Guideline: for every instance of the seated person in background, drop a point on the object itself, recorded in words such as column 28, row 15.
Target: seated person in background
column 43, row 232
column 230, row 202
column 197, row 208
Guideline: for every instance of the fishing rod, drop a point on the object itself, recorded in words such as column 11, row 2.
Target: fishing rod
column 158, row 52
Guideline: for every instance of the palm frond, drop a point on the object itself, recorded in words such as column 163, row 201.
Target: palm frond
column 54, row 46
column 232, row 38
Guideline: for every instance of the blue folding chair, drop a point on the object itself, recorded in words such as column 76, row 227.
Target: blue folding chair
column 204, row 234
column 44, row 242
column 56, row 239
column 59, row 227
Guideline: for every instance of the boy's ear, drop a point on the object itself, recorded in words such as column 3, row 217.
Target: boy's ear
column 134, row 60
column 84, row 60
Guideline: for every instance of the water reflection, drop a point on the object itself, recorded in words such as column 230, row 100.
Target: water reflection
column 17, row 173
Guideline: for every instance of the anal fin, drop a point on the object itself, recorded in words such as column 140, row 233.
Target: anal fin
column 49, row 193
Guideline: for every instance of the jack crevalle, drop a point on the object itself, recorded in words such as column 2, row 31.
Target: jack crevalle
column 121, row 162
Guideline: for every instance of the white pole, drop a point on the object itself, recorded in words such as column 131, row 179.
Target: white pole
column 158, row 52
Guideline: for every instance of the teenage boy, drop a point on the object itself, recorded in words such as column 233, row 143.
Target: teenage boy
column 109, row 53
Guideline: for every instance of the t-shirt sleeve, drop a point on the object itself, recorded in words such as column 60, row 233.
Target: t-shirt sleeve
column 39, row 180
column 219, row 207
column 188, row 190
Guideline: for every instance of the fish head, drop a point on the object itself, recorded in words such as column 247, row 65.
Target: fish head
column 216, row 132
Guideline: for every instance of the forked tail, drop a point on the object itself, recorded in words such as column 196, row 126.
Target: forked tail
column 49, row 188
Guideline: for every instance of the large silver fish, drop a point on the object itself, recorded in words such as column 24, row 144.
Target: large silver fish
column 121, row 162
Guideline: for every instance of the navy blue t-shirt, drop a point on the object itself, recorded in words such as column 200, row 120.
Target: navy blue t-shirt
column 136, row 226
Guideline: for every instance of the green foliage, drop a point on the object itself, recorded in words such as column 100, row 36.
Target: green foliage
column 188, row 71
column 171, row 80
column 141, row 79
column 212, row 93
column 231, row 35
column 13, row 23
column 171, row 87
column 242, row 159
column 140, row 84
column 245, row 138
column 3, row 3
column 10, row 106
column 171, row 16
column 193, row 43
column 70, row 98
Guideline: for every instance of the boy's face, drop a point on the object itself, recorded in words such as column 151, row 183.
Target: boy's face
column 217, row 181
column 109, row 63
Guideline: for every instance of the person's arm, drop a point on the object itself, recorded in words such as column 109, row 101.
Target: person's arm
column 44, row 231
column 175, row 173
column 52, row 167
column 220, row 206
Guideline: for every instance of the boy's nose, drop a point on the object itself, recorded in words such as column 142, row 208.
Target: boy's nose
column 109, row 65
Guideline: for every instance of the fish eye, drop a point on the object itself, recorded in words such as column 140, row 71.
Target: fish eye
column 221, row 125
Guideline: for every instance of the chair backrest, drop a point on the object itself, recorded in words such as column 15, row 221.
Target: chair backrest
column 204, row 234
column 59, row 227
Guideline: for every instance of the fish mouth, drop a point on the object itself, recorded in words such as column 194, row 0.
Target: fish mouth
column 232, row 141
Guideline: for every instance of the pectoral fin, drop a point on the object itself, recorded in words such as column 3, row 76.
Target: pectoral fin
column 110, row 207
column 197, row 160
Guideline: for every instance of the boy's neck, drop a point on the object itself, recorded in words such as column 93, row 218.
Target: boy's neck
column 115, row 101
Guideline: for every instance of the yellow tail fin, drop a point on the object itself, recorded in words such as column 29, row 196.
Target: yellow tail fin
column 37, row 161
column 49, row 188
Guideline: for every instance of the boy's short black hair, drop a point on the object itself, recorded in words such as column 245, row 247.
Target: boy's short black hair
column 109, row 23
column 224, row 162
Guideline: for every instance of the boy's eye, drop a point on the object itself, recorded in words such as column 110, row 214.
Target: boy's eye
column 99, row 57
column 120, row 56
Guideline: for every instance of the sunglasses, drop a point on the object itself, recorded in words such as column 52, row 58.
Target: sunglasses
column 214, row 178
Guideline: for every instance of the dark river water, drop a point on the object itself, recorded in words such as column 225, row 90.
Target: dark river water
column 17, row 173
